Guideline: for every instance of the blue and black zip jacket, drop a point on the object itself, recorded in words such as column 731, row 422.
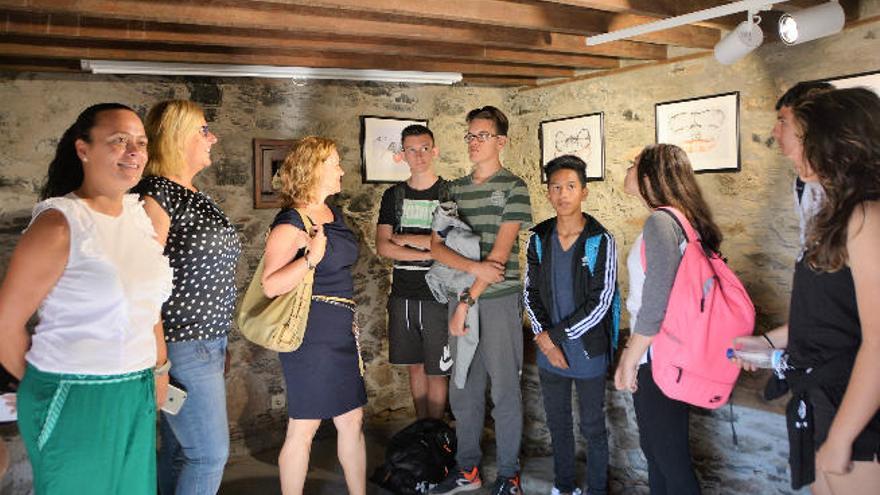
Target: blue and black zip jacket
column 597, row 315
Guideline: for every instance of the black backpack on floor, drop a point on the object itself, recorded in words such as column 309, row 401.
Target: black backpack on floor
column 418, row 457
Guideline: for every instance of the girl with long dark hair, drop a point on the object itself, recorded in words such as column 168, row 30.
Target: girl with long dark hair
column 661, row 176
column 834, row 323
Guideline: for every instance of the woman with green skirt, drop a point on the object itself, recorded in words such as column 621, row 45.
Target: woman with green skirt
column 89, row 264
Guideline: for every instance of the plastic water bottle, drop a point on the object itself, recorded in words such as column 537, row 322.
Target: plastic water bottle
column 761, row 358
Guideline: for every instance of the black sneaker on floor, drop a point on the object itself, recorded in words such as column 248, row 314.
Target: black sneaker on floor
column 459, row 481
column 506, row 486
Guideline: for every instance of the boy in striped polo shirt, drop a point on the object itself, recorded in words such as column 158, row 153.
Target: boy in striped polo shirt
column 495, row 203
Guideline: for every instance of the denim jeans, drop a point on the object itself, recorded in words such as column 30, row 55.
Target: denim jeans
column 195, row 442
column 556, row 390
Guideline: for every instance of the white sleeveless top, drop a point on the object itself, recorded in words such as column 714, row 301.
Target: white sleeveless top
column 98, row 318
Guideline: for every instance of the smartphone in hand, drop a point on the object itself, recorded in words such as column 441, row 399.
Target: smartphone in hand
column 174, row 401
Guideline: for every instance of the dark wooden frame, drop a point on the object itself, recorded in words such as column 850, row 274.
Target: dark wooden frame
column 275, row 150
column 696, row 166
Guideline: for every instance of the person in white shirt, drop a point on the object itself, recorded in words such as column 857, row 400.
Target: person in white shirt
column 90, row 265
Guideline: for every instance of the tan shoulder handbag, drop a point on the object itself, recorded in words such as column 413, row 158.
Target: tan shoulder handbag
column 279, row 323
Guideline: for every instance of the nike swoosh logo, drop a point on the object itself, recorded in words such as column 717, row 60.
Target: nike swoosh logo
column 446, row 359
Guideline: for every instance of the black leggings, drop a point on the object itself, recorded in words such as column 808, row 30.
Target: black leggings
column 663, row 436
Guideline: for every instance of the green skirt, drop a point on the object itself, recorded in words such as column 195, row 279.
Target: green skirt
column 89, row 434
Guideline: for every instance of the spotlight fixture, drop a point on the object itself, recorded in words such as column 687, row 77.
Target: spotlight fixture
column 809, row 24
column 741, row 41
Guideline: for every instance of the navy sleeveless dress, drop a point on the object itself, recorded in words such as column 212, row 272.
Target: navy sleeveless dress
column 322, row 376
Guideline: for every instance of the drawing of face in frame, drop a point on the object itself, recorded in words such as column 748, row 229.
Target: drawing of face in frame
column 578, row 143
column 697, row 131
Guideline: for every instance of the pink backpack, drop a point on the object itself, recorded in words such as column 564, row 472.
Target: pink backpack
column 708, row 307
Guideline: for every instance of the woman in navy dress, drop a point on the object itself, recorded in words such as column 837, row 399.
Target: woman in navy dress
column 323, row 376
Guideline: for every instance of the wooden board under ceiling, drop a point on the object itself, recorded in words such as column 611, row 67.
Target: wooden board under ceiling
column 503, row 42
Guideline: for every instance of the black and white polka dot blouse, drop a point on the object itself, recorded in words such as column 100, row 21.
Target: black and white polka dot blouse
column 203, row 249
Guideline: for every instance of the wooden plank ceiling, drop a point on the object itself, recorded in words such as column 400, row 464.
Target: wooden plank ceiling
column 499, row 42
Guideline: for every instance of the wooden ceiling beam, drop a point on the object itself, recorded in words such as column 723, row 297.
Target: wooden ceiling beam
column 553, row 59
column 303, row 20
column 66, row 27
column 538, row 16
column 661, row 9
column 500, row 81
column 20, row 64
column 650, row 8
column 656, row 9
column 43, row 48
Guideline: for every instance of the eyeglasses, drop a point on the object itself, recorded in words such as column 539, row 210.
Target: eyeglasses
column 204, row 130
column 481, row 137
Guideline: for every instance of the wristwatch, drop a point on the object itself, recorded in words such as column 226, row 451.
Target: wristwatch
column 466, row 298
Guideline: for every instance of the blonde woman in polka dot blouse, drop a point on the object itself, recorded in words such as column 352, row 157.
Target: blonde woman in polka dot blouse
column 203, row 248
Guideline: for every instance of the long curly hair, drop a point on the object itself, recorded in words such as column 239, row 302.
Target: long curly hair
column 65, row 173
column 297, row 179
column 665, row 178
column 841, row 138
column 170, row 124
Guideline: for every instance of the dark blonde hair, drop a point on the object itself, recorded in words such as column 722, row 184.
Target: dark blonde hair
column 841, row 138
column 297, row 179
column 665, row 178
column 170, row 124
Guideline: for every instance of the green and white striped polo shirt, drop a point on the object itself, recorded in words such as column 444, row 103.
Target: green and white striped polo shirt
column 503, row 197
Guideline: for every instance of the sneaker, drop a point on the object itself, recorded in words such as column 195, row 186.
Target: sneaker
column 459, row 481
column 577, row 491
column 506, row 486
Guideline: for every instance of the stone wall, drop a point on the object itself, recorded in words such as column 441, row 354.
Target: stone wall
column 37, row 108
column 752, row 206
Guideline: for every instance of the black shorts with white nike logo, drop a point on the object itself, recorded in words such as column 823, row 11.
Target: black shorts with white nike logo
column 418, row 333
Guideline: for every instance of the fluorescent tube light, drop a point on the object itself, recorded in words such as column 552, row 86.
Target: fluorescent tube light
column 682, row 20
column 222, row 70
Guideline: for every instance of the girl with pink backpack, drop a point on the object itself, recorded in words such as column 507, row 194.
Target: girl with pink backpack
column 662, row 177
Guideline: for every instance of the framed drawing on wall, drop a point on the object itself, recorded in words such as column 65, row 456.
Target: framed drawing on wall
column 268, row 156
column 870, row 80
column 707, row 128
column 582, row 136
column 381, row 158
